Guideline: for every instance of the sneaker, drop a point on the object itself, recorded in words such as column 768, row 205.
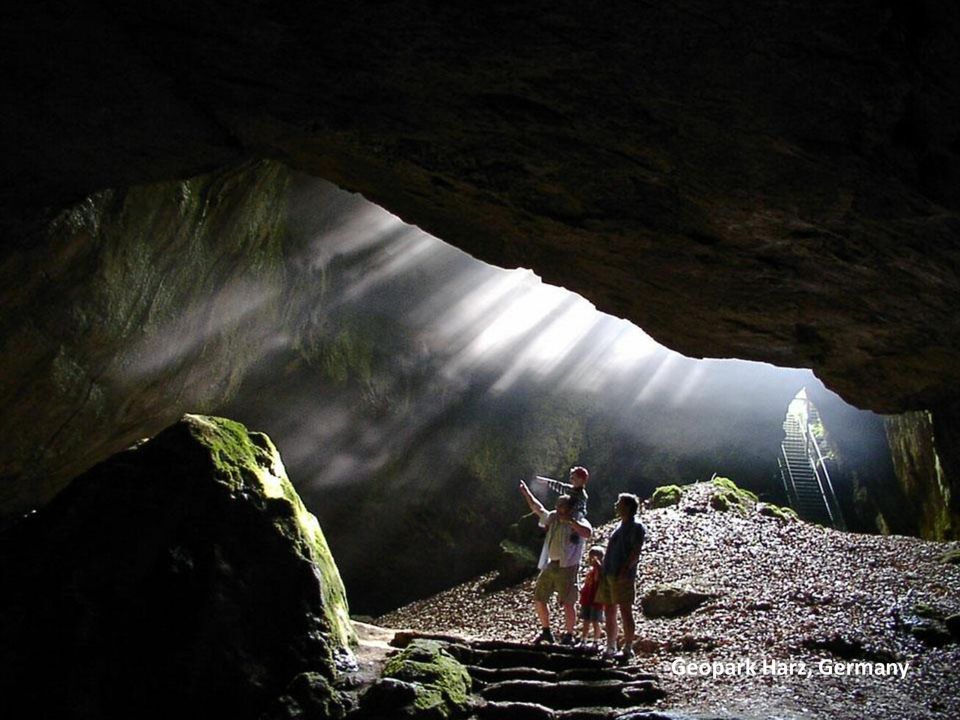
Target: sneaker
column 609, row 653
column 545, row 636
column 566, row 639
column 623, row 657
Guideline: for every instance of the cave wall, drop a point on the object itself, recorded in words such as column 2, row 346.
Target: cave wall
column 134, row 307
column 924, row 450
column 163, row 299
column 773, row 181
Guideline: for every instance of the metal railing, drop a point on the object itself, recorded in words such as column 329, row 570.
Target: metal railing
column 801, row 435
column 818, row 463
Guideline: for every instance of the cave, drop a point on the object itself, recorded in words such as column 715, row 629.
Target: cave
column 774, row 185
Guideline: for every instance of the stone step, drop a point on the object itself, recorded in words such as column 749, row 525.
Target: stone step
column 604, row 674
column 589, row 713
column 489, row 675
column 517, row 681
column 532, row 711
column 535, row 658
column 402, row 638
column 555, row 648
column 574, row 693
column 513, row 711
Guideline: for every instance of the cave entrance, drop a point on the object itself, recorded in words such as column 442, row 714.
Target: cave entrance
column 407, row 385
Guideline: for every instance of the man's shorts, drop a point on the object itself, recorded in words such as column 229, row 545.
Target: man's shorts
column 615, row 591
column 555, row 579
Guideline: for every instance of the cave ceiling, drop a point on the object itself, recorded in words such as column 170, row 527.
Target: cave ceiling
column 773, row 181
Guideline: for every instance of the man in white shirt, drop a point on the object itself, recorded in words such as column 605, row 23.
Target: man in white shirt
column 559, row 561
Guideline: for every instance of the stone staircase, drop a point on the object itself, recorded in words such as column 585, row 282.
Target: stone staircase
column 515, row 681
column 807, row 497
column 808, row 488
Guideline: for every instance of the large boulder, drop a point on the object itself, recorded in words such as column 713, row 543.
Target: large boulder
column 666, row 601
column 180, row 578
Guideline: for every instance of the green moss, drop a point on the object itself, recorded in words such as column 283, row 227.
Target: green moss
column 309, row 694
column 518, row 553
column 922, row 609
column 442, row 683
column 348, row 354
column 728, row 496
column 666, row 495
column 721, row 501
column 746, row 497
column 921, row 475
column 249, row 462
column 777, row 511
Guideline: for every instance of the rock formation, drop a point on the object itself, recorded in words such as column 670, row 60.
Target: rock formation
column 179, row 578
column 140, row 305
column 776, row 183
column 785, row 174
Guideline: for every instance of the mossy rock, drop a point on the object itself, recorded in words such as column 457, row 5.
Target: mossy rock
column 442, row 684
column 309, row 695
column 726, row 496
column 387, row 699
column 249, row 462
column 953, row 625
column 665, row 496
column 673, row 600
column 931, row 632
column 777, row 511
column 922, row 609
column 722, row 501
column 520, row 553
column 515, row 564
column 729, row 485
column 186, row 573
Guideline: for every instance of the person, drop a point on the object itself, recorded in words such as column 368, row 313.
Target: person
column 559, row 562
column 591, row 612
column 576, row 489
column 617, row 588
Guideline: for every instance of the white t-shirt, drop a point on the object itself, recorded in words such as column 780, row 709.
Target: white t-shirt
column 559, row 543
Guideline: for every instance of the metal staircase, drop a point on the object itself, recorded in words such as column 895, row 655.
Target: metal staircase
column 802, row 467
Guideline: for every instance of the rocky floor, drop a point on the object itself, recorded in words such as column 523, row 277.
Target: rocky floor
column 798, row 615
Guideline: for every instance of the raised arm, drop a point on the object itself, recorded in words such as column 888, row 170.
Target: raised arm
column 582, row 528
column 535, row 505
column 557, row 486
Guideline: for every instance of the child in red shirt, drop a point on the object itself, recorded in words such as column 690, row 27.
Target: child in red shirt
column 590, row 612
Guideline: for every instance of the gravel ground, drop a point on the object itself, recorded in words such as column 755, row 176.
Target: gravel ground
column 786, row 592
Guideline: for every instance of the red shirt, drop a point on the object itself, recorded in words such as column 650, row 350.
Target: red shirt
column 589, row 590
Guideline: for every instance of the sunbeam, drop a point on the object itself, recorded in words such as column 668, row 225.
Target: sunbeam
column 401, row 373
